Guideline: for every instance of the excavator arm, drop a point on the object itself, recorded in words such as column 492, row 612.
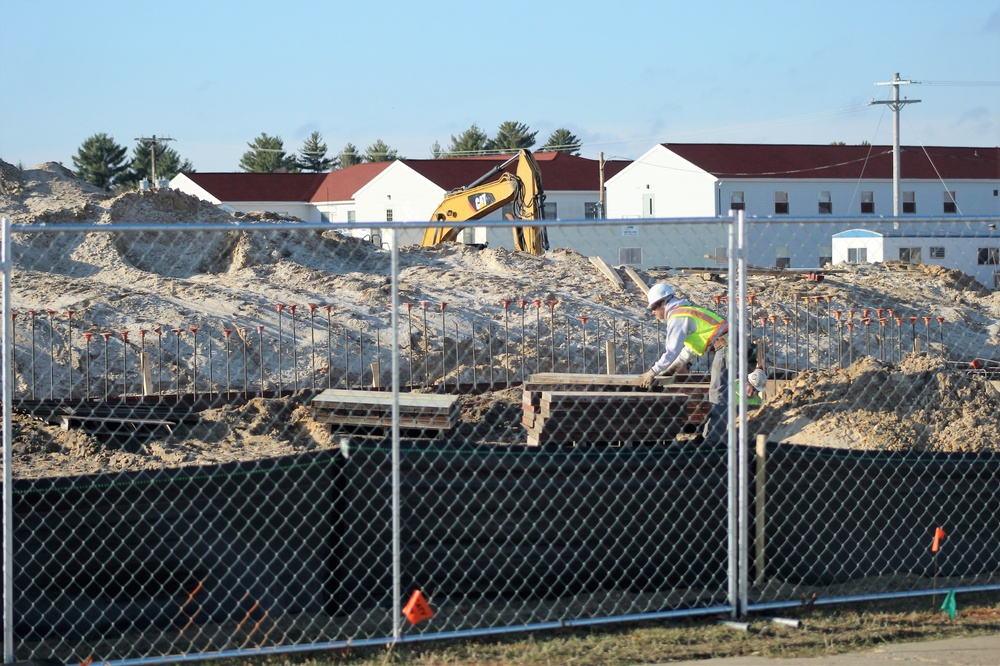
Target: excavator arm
column 475, row 201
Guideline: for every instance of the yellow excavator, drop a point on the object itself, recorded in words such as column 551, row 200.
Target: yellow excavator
column 523, row 188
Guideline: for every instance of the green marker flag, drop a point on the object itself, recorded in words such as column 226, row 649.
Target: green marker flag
column 949, row 606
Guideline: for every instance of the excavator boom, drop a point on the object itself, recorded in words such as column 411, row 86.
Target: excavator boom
column 479, row 199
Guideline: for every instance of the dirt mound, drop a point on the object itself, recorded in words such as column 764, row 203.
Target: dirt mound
column 918, row 405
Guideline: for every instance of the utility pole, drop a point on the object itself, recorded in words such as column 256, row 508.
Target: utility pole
column 895, row 104
column 154, row 143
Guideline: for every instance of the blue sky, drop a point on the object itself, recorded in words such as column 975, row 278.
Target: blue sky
column 622, row 76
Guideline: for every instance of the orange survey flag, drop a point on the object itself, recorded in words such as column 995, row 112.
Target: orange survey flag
column 417, row 609
column 938, row 538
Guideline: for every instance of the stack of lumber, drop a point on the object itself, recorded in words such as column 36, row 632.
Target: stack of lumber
column 566, row 408
column 116, row 418
column 424, row 411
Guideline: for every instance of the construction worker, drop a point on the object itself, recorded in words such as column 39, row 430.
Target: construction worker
column 756, row 388
column 691, row 331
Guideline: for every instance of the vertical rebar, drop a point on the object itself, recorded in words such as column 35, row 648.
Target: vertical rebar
column 489, row 339
column 279, row 307
column 569, row 346
column 443, row 350
column 329, row 349
column 159, row 359
column 868, row 346
column 226, row 332
column 211, row 370
column 427, row 375
column 312, row 344
column 124, row 335
column 913, row 333
column 107, row 372
column 796, row 296
column 940, row 321
column 642, row 345
column 361, row 353
column 583, row 330
column 597, row 343
column 524, row 346
column 538, row 333
column 245, row 339
column 457, row 357
column 31, row 315
column 840, row 338
column 850, row 341
column 927, row 332
column 52, row 355
column 194, row 360
column 786, row 321
column 881, row 341
column 260, row 354
column 774, row 339
column 899, row 336
column 86, row 370
column 295, row 353
column 347, row 359
column 613, row 363
column 552, row 334
column 409, row 340
column 142, row 358
column 475, row 382
column 506, row 340
column 628, row 347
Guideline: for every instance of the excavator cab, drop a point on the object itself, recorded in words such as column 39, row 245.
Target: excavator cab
column 523, row 189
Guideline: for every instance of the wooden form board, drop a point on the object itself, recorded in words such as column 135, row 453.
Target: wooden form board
column 608, row 272
column 374, row 409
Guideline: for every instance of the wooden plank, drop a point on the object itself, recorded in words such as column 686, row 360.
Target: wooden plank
column 347, row 396
column 608, row 272
column 634, row 276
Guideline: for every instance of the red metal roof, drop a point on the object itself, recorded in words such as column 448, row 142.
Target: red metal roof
column 560, row 171
column 785, row 161
column 258, row 186
column 342, row 184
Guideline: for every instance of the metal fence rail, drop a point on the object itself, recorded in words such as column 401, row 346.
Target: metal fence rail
column 219, row 472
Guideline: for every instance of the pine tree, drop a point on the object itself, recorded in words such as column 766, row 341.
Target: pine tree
column 472, row 141
column 512, row 137
column 380, row 152
column 267, row 155
column 563, row 141
column 349, row 156
column 436, row 152
column 100, row 161
column 168, row 164
column 312, row 155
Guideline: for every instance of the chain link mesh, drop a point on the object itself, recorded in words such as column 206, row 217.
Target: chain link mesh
column 203, row 437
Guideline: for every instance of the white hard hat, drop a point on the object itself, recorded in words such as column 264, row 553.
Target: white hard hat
column 758, row 380
column 657, row 293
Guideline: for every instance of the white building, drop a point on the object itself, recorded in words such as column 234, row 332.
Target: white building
column 773, row 182
column 358, row 198
column 974, row 252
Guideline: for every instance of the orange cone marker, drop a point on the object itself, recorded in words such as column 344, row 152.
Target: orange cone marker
column 417, row 609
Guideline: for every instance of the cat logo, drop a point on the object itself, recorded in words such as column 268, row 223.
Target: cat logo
column 480, row 201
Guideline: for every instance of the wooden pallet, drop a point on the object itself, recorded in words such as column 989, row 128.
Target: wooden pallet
column 371, row 409
column 614, row 409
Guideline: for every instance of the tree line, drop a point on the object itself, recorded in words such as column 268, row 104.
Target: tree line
column 102, row 162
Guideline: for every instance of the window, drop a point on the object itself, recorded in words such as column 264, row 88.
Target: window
column 857, row 255
column 324, row 216
column 648, row 210
column 781, row 203
column 937, row 252
column 736, row 201
column 549, row 211
column 825, row 204
column 950, row 205
column 629, row 255
column 825, row 255
column 989, row 256
column 867, row 202
column 388, row 215
column 909, row 255
column 909, row 202
column 592, row 210
column 781, row 256
column 351, row 216
column 722, row 254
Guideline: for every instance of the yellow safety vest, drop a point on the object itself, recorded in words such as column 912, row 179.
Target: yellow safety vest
column 710, row 326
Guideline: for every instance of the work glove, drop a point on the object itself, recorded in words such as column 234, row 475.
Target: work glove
column 646, row 379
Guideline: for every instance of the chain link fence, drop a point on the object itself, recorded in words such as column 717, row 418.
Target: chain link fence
column 272, row 436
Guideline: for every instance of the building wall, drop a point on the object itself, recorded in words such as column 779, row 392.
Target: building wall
column 676, row 187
